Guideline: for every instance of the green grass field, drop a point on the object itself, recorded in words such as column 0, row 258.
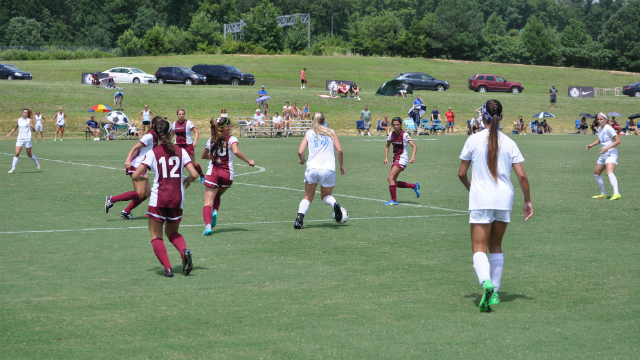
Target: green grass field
column 391, row 283
column 57, row 83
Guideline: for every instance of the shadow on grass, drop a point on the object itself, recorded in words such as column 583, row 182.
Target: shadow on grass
column 504, row 297
column 324, row 225
column 177, row 270
column 225, row 229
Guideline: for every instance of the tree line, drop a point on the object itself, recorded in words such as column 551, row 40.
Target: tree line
column 600, row 34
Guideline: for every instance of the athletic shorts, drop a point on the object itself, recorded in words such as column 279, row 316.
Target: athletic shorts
column 164, row 214
column 188, row 148
column 60, row 126
column 488, row 216
column 553, row 99
column 326, row 178
column 133, row 169
column 146, row 122
column 217, row 178
column 450, row 123
column 38, row 127
column 303, row 81
column 610, row 157
column 23, row 143
column 397, row 164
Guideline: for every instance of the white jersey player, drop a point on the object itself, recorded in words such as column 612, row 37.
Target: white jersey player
column 24, row 128
column 39, row 128
column 608, row 140
column 61, row 121
column 321, row 167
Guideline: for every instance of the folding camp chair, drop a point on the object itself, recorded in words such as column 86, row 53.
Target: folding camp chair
column 411, row 126
column 437, row 126
column 533, row 127
column 121, row 131
column 380, row 129
column 424, row 124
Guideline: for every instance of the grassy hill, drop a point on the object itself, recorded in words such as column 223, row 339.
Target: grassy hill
column 57, row 83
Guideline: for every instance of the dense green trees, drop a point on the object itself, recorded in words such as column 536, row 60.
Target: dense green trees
column 582, row 33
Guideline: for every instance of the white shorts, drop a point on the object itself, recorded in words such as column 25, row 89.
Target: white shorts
column 276, row 122
column 326, row 178
column 608, row 157
column 487, row 216
column 38, row 127
column 23, row 143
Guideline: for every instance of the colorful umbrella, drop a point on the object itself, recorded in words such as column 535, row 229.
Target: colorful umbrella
column 263, row 98
column 100, row 108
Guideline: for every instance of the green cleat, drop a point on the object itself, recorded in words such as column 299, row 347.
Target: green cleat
column 616, row 197
column 487, row 288
column 600, row 197
column 494, row 299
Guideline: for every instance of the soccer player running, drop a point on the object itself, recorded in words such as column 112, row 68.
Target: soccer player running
column 141, row 189
column 321, row 167
column 145, row 115
column 61, row 120
column 167, row 195
column 182, row 130
column 608, row 140
column 220, row 151
column 24, row 128
column 491, row 197
column 400, row 140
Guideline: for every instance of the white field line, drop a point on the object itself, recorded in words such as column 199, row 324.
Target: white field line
column 69, row 162
column 411, row 139
column 230, row 224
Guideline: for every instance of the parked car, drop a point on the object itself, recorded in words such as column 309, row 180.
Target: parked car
column 11, row 72
column 631, row 90
column 422, row 81
column 179, row 74
column 224, row 74
column 130, row 75
column 485, row 82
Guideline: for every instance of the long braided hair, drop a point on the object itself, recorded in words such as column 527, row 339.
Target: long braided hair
column 492, row 112
column 161, row 129
column 217, row 134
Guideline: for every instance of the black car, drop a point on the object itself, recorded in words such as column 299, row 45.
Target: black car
column 178, row 74
column 422, row 81
column 224, row 74
column 11, row 72
column 631, row 90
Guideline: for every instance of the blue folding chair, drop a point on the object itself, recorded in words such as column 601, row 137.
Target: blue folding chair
column 424, row 124
column 437, row 126
column 533, row 127
column 380, row 129
column 410, row 126
column 360, row 125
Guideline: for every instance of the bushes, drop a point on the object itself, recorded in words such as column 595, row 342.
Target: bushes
column 56, row 54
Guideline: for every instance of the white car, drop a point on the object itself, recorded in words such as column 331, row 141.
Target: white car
column 130, row 75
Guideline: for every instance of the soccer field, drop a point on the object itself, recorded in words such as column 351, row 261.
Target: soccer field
column 393, row 282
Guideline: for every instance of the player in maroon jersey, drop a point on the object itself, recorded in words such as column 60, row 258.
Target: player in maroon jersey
column 182, row 130
column 220, row 150
column 400, row 140
column 141, row 189
column 167, row 195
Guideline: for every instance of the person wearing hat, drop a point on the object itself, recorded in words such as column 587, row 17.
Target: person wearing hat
column 259, row 120
column 552, row 92
column 262, row 93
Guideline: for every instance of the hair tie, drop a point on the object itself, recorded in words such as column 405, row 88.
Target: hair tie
column 605, row 115
column 224, row 123
column 488, row 116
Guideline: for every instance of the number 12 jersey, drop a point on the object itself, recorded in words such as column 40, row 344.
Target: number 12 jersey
column 168, row 188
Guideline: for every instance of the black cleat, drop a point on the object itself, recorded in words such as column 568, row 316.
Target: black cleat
column 337, row 212
column 125, row 215
column 107, row 204
column 187, row 264
column 299, row 220
column 168, row 272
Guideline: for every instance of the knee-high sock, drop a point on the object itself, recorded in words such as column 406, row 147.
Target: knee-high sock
column 33, row 157
column 134, row 204
column 216, row 203
column 600, row 183
column 178, row 241
column 392, row 190
column 614, row 183
column 198, row 169
column 497, row 263
column 161, row 252
column 206, row 214
column 304, row 206
column 402, row 184
column 329, row 200
column 129, row 195
column 482, row 267
column 14, row 162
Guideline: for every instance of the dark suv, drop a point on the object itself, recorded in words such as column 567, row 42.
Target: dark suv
column 422, row 81
column 178, row 74
column 224, row 74
column 483, row 83
column 11, row 72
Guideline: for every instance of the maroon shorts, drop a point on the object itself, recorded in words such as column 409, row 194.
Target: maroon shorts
column 188, row 148
column 132, row 169
column 218, row 179
column 398, row 165
column 162, row 214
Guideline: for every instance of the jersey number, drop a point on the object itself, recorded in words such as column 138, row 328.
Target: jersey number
column 174, row 161
column 324, row 140
column 222, row 151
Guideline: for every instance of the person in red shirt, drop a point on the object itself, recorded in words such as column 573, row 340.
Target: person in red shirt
column 451, row 117
column 303, row 79
column 182, row 130
column 167, row 195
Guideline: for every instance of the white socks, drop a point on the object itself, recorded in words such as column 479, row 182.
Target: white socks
column 497, row 263
column 329, row 200
column 482, row 267
column 304, row 206
column 600, row 183
column 14, row 162
column 33, row 157
column 614, row 183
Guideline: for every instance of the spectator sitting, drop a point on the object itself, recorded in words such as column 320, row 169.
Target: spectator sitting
column 250, row 127
column 343, row 89
column 259, row 120
column 583, row 125
column 546, row 129
column 108, row 129
column 435, row 114
column 594, row 126
column 614, row 124
column 402, row 91
column 95, row 80
column 92, row 125
column 385, row 124
column 305, row 112
column 277, row 124
column 333, row 89
column 133, row 131
column 632, row 126
column 111, row 83
column 474, row 125
column 521, row 126
column 295, row 111
column 355, row 90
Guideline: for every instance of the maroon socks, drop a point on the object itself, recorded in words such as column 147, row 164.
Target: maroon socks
column 392, row 190
column 402, row 184
column 206, row 214
column 198, row 169
column 216, row 203
column 134, row 204
column 178, row 241
column 129, row 195
column 161, row 252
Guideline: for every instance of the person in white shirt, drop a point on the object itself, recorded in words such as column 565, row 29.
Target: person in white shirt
column 250, row 126
column 491, row 197
column 287, row 112
column 608, row 140
column 24, row 138
column 259, row 120
column 61, row 120
column 145, row 115
column 39, row 127
column 277, row 123
column 474, row 125
column 320, row 168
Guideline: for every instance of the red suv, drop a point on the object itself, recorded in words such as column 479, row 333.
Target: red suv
column 483, row 83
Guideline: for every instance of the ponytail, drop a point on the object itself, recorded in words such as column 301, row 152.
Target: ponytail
column 317, row 125
column 30, row 113
column 161, row 129
column 492, row 113
column 217, row 134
